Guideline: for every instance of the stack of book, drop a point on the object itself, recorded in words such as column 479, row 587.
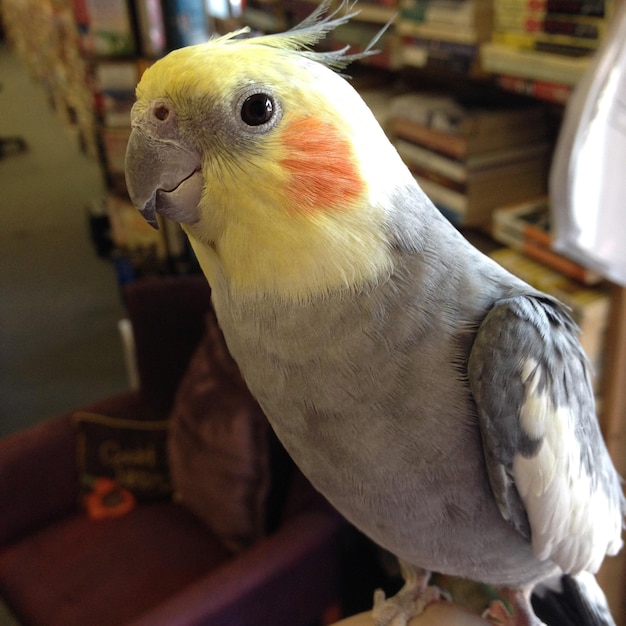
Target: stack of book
column 542, row 47
column 525, row 227
column 471, row 159
column 444, row 34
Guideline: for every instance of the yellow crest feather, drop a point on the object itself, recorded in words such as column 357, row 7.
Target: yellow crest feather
column 305, row 35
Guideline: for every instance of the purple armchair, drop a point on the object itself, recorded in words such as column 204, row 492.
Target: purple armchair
column 159, row 564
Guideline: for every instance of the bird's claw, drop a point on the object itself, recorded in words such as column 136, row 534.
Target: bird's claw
column 411, row 600
column 397, row 610
column 499, row 614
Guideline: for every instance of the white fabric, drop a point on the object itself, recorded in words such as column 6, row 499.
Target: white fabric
column 588, row 177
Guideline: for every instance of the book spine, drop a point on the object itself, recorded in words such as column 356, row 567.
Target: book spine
column 424, row 173
column 528, row 220
column 536, row 236
column 591, row 8
column 420, row 53
column 503, row 7
column 411, row 28
column 530, row 40
column 550, row 92
column 545, row 45
column 597, row 8
column 532, row 64
column 453, row 14
column 443, row 143
column 578, row 27
column 533, row 244
column 559, row 263
column 527, row 22
column 412, row 154
column 443, row 47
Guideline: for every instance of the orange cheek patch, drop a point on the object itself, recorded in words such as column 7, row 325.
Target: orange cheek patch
column 321, row 164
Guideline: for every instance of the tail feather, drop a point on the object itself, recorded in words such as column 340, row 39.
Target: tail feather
column 572, row 601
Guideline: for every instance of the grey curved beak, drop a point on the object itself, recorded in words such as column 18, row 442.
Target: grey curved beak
column 162, row 177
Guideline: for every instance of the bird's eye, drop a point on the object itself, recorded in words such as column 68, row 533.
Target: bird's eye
column 257, row 109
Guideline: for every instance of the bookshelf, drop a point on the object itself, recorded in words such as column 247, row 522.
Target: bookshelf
column 89, row 54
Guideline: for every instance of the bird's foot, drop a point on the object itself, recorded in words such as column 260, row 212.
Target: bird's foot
column 411, row 600
column 516, row 610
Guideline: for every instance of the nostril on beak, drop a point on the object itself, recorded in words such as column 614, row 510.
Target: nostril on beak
column 161, row 112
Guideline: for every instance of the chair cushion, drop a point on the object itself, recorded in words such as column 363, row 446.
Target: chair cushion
column 218, row 445
column 106, row 572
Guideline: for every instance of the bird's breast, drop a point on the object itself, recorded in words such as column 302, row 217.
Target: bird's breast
column 370, row 398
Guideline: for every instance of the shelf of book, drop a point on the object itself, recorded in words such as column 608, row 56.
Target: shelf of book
column 542, row 47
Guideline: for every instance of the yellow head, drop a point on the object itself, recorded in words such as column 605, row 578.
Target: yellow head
column 275, row 167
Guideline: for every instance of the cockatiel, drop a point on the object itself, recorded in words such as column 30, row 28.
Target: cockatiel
column 438, row 402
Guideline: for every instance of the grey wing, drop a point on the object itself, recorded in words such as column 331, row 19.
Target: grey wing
column 549, row 468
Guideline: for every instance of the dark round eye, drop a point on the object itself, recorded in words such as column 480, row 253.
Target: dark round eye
column 257, row 109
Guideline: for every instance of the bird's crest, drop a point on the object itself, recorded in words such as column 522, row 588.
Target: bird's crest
column 304, row 36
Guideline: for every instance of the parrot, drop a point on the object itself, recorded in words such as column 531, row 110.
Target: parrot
column 443, row 406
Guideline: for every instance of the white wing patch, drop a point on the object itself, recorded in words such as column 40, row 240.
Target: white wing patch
column 572, row 520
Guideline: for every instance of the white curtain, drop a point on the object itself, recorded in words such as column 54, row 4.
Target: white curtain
column 588, row 176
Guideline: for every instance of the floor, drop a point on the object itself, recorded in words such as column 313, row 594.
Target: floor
column 59, row 303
